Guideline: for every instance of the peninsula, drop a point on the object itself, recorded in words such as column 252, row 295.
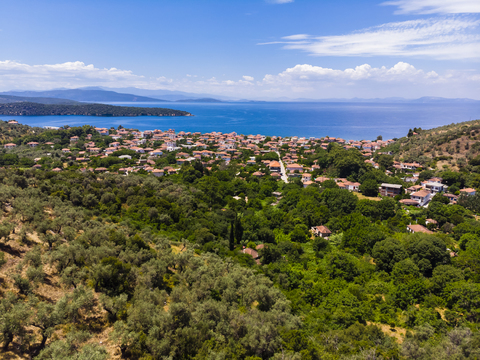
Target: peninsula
column 36, row 109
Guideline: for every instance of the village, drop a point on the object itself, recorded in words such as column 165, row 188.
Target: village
column 286, row 161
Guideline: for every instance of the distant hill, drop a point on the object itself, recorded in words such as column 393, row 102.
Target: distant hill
column 5, row 99
column 85, row 95
column 203, row 100
column 35, row 109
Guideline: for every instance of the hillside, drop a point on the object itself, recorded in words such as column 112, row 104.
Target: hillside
column 9, row 132
column 160, row 255
column 34, row 109
column 451, row 146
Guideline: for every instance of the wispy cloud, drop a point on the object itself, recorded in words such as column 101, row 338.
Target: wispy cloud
column 279, row 1
column 439, row 38
column 435, row 6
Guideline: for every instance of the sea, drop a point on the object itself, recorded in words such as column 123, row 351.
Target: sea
column 355, row 121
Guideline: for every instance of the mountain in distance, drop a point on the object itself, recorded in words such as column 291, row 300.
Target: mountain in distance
column 8, row 99
column 85, row 95
column 422, row 100
column 126, row 95
column 202, row 100
column 171, row 95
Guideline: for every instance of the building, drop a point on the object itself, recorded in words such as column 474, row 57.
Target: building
column 468, row 191
column 391, row 190
column 435, row 187
column 10, row 146
column 418, row 228
column 275, row 166
column 409, row 202
column 422, row 197
column 321, row 231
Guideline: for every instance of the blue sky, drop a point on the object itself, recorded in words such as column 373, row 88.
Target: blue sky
column 248, row 48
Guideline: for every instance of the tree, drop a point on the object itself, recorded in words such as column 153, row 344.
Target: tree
column 387, row 253
column 405, row 270
column 385, row 161
column 299, row 233
column 341, row 265
column 361, row 239
column 369, row 188
column 428, row 251
column 14, row 319
column 444, row 275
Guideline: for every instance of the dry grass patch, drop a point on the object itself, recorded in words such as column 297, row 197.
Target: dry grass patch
column 397, row 333
column 363, row 197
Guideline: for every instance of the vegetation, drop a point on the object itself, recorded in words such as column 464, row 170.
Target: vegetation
column 105, row 266
column 30, row 108
column 454, row 146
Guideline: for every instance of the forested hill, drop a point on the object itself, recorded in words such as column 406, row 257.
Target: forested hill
column 32, row 109
column 453, row 146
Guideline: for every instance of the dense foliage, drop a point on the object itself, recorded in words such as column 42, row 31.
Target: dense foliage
column 30, row 108
column 97, row 266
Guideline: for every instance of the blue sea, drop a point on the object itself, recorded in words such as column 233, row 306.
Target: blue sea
column 346, row 120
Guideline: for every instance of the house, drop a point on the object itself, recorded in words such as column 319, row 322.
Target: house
column 10, row 146
column 352, row 186
column 391, row 190
column 468, row 191
column 306, row 177
column 275, row 166
column 309, row 182
column 321, row 179
column 74, row 139
column 431, row 221
column 12, row 122
column 413, row 189
column 418, row 228
column 422, row 197
column 321, row 231
column 453, row 198
column 253, row 253
column 158, row 172
column 409, row 202
column 32, row 144
column 138, row 149
column 294, row 167
column 435, row 187
column 157, row 152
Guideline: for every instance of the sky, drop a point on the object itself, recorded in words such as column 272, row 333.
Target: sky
column 254, row 49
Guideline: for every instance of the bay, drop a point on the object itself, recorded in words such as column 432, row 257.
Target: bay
column 346, row 120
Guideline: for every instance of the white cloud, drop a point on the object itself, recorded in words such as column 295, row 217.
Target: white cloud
column 280, row 1
column 308, row 73
column 402, row 79
column 440, row 38
column 303, row 80
column 435, row 6
column 15, row 75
